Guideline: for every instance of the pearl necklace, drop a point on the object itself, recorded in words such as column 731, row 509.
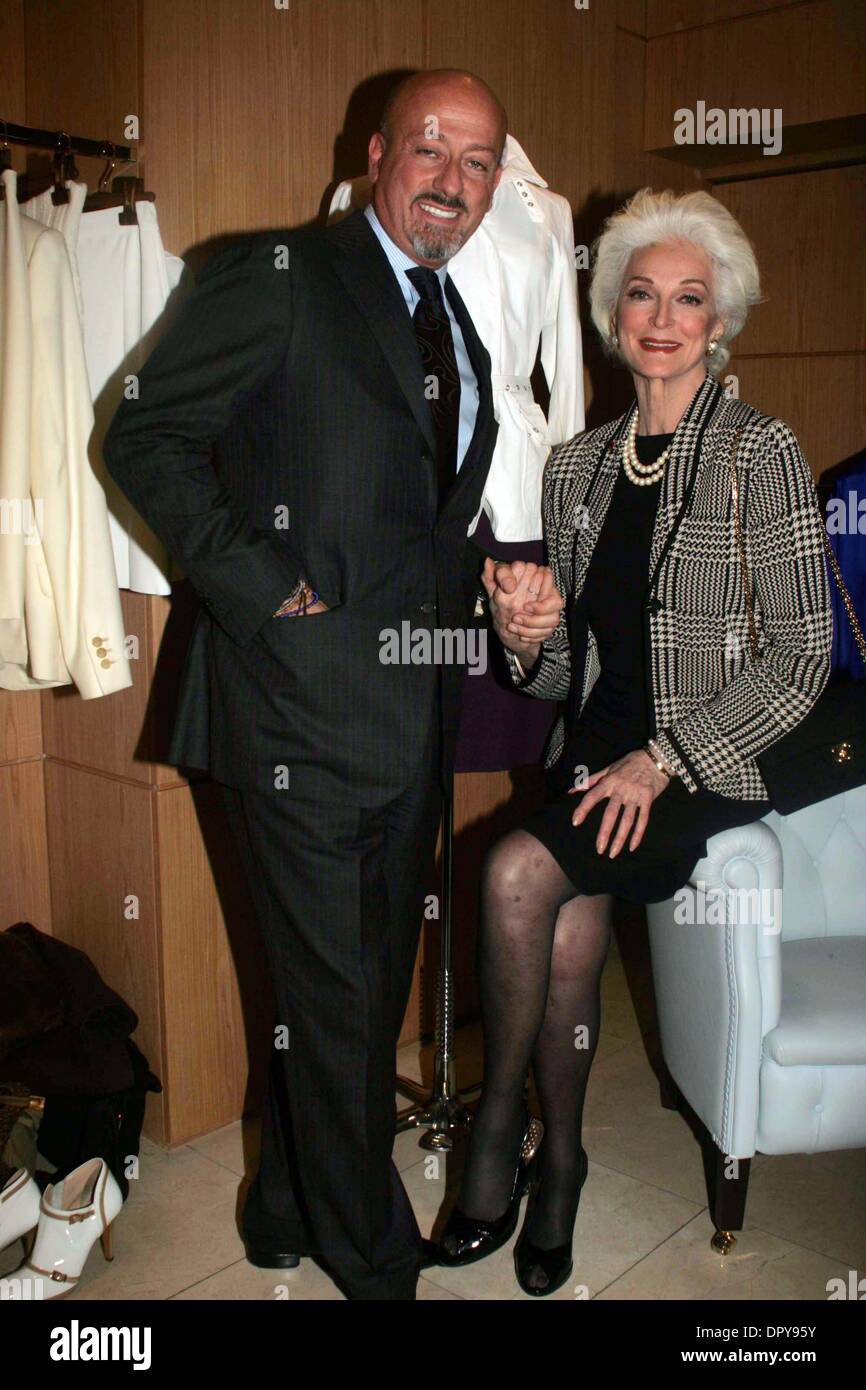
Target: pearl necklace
column 641, row 474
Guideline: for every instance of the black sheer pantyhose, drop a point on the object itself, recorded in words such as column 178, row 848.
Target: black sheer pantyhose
column 541, row 951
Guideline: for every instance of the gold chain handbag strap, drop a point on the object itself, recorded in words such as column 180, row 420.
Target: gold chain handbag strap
column 738, row 530
column 846, row 598
column 831, row 556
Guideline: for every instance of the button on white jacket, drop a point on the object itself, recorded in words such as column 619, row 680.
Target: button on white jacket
column 60, row 613
column 517, row 276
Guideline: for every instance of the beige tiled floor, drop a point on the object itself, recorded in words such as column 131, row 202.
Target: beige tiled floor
column 642, row 1231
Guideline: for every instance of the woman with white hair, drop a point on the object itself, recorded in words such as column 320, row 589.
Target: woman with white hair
column 665, row 710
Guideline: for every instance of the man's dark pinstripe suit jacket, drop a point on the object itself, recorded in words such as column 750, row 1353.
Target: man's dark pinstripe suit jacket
column 291, row 386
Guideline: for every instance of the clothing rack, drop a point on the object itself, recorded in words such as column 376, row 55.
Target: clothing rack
column 59, row 140
column 125, row 191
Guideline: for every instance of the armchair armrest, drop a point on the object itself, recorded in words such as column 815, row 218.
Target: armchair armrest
column 716, row 963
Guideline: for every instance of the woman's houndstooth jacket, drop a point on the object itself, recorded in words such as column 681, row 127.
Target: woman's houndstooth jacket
column 711, row 707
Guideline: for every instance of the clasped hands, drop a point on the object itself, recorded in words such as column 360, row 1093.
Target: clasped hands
column 524, row 602
column 525, row 606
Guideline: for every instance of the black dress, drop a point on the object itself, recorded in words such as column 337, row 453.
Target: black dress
column 616, row 720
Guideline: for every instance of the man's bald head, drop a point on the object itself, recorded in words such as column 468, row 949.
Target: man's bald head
column 427, row 86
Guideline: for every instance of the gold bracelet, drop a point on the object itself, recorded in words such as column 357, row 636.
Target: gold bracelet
column 668, row 766
column 656, row 760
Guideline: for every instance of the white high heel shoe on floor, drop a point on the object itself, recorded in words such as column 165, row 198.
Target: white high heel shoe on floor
column 73, row 1214
column 19, row 1210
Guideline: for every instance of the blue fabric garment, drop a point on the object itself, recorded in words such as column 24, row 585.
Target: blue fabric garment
column 846, row 529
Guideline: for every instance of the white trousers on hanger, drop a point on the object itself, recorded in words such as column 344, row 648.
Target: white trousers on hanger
column 126, row 281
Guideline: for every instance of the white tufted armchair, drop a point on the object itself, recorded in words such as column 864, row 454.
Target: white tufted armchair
column 759, row 967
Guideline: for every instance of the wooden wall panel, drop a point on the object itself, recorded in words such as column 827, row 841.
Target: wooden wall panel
column 807, row 230
column 82, row 70
column 635, row 167
column 666, row 16
column 101, row 851
column 25, row 894
column 807, row 59
column 12, row 76
column 607, row 391
column 217, row 1001
column 632, row 15
column 245, row 109
column 823, row 399
column 20, row 725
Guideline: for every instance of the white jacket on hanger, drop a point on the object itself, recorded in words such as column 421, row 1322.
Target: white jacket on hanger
column 517, row 277
column 124, row 278
column 60, row 613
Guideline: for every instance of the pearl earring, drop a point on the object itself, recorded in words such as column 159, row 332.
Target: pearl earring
column 711, row 347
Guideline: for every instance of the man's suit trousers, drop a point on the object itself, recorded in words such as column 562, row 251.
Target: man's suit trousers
column 339, row 894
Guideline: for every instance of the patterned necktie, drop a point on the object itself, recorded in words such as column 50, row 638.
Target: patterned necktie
column 433, row 332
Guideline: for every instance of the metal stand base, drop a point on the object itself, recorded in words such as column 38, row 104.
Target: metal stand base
column 442, row 1111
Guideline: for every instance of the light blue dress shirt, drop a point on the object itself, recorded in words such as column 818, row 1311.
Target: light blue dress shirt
column 400, row 263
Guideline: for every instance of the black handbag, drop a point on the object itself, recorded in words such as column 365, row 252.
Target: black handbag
column 825, row 754
column 76, row 1128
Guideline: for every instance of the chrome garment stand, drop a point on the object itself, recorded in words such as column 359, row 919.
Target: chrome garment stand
column 442, row 1111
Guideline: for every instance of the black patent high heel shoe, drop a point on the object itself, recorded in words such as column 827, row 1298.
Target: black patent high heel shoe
column 555, row 1264
column 465, row 1238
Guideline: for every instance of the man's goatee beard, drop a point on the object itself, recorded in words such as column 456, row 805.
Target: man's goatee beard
column 436, row 246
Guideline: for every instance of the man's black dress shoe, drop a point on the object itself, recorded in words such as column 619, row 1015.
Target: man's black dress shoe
column 271, row 1259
